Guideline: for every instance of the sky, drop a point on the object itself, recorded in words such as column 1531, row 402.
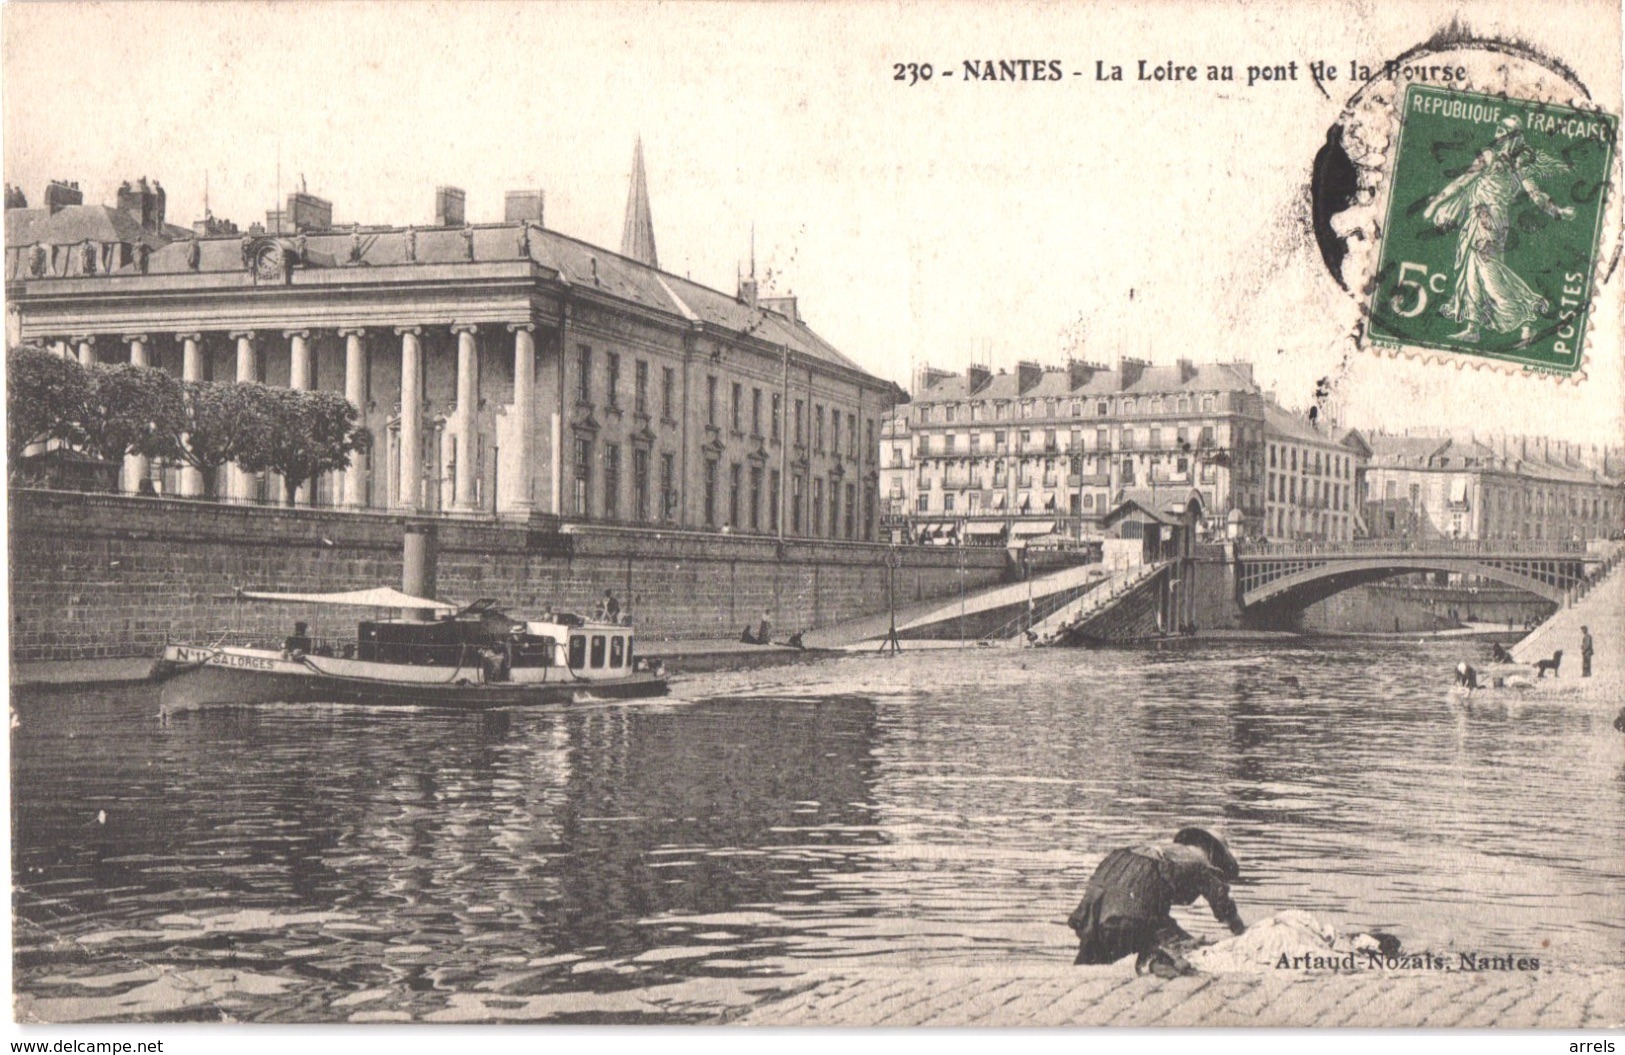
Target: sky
column 941, row 222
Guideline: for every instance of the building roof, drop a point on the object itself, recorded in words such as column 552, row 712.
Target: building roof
column 74, row 224
column 1164, row 505
column 578, row 263
column 1294, row 426
column 1391, row 450
column 1055, row 382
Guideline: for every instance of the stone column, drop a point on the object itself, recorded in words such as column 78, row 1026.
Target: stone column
column 524, row 409
column 240, row 483
column 298, row 381
column 87, row 350
column 136, row 466
column 411, row 450
column 463, row 495
column 191, row 370
column 355, row 380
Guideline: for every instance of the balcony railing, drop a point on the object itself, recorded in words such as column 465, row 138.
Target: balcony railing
column 1401, row 545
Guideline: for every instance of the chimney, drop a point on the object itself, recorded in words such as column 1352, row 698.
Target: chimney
column 306, row 212
column 59, row 194
column 143, row 203
column 930, row 377
column 15, row 198
column 747, row 289
column 1129, row 371
column 1028, row 374
column 448, row 206
column 521, row 206
column 976, row 375
column 1187, row 370
column 785, row 306
column 1080, row 373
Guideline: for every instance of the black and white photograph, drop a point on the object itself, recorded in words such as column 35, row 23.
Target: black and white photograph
column 867, row 514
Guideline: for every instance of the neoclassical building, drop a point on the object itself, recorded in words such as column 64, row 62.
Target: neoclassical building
column 502, row 368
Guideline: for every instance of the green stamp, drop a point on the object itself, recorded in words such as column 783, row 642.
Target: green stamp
column 1494, row 214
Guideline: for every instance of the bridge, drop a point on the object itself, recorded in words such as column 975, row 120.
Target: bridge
column 1294, row 575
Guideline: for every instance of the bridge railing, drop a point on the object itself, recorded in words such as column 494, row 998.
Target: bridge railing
column 1429, row 546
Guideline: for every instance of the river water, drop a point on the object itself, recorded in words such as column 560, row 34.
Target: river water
column 669, row 860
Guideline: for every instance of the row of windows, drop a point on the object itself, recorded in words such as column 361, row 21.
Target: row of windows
column 752, row 493
column 1311, row 492
column 999, row 410
column 760, row 407
column 1292, row 523
column 1128, row 438
column 1340, row 466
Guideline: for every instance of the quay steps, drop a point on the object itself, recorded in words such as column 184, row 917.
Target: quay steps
column 1602, row 608
column 1124, row 610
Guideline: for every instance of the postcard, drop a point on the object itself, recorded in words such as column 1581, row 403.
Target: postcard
column 864, row 514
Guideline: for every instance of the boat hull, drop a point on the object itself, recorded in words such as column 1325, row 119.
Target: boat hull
column 227, row 677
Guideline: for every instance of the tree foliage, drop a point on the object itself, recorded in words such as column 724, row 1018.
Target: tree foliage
column 47, row 398
column 134, row 410
column 218, row 418
column 299, row 434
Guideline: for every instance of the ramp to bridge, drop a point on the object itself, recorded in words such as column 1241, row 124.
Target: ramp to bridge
column 1603, row 610
column 1083, row 610
column 1003, row 611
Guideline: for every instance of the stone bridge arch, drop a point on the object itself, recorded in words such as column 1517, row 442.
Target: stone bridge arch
column 1295, row 585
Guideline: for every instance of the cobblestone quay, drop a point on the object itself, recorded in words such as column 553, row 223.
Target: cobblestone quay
column 1559, row 999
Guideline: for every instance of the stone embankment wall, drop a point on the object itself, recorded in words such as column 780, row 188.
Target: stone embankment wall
column 1373, row 609
column 100, row 575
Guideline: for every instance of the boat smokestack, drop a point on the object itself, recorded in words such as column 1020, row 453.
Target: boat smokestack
column 418, row 565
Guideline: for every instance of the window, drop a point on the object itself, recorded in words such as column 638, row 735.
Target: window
column 1128, row 438
column 1103, row 440
column 947, row 443
column 613, row 365
column 597, row 651
column 869, row 447
column 578, row 651
column 668, row 389
column 852, row 435
column 710, row 399
column 1272, row 456
column 738, row 407
column 948, row 502
column 612, row 481
column 801, row 430
column 1049, row 440
column 1129, row 407
column 818, row 428
column 1207, row 404
column 773, row 500
column 1128, row 472
column 1155, row 440
column 755, row 498
column 835, row 430
column 1207, row 435
column 640, row 485
column 668, row 487
column 998, row 440
column 617, row 650
column 756, row 412
column 817, row 525
column 710, row 507
column 640, row 383
column 998, row 411
column 777, row 415
column 733, row 494
column 584, row 374
column 950, row 412
column 583, row 480
column 976, row 412
column 975, row 442
column 868, row 512
column 796, row 500
column 834, row 507
column 922, row 503
column 1026, row 408
column 1102, row 409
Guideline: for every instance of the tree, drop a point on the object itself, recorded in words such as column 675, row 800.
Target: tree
column 218, row 420
column 133, row 410
column 47, row 398
column 300, row 434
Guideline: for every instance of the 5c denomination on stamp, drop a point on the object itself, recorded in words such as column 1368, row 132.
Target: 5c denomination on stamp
column 1493, row 222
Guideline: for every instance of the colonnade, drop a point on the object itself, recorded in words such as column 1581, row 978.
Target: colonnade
column 462, row 422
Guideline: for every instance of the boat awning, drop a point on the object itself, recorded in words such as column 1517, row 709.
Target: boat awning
column 378, row 597
column 1033, row 530
column 984, row 529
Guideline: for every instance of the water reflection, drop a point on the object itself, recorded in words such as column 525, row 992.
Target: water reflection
column 329, row 863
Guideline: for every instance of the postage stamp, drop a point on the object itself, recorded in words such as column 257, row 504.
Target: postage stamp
column 1492, row 231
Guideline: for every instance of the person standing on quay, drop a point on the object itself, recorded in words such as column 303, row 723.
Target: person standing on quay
column 1585, row 652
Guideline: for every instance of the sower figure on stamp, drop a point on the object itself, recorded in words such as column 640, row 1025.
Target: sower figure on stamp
column 1125, row 907
column 1480, row 201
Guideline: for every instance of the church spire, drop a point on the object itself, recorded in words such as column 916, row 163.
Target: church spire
column 638, row 233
